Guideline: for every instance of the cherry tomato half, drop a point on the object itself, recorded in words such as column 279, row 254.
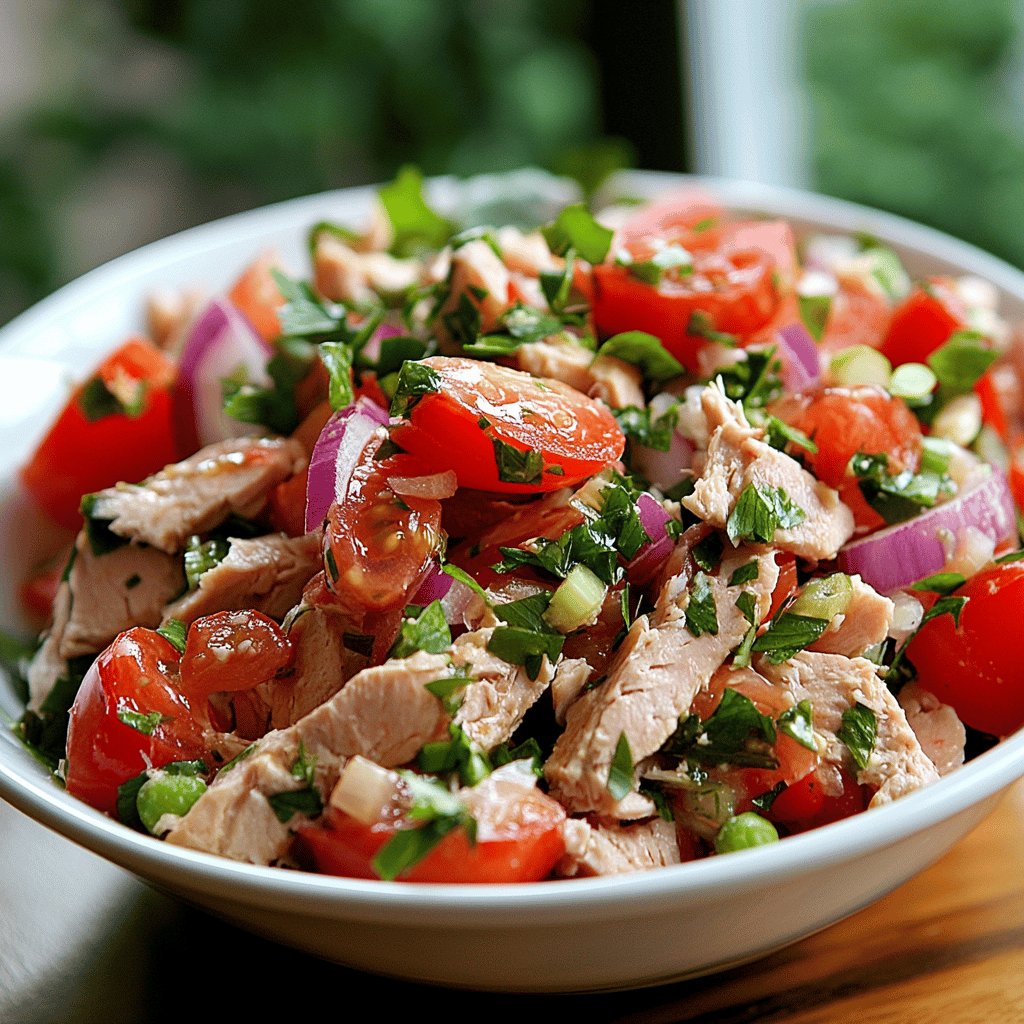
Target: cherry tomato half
column 128, row 716
column 976, row 667
column 923, row 322
column 503, row 430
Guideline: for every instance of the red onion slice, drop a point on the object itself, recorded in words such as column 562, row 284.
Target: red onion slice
column 436, row 485
column 434, row 587
column 336, row 453
column 801, row 364
column 902, row 554
column 651, row 556
column 221, row 344
column 665, row 469
column 372, row 348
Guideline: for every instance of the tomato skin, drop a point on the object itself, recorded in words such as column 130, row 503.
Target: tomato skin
column 79, row 456
column 257, row 296
column 136, row 673
column 377, row 545
column 787, row 582
column 232, row 650
column 976, row 667
column 572, row 433
column 923, row 322
column 803, row 805
column 843, row 421
column 691, row 218
column 734, row 290
column 524, row 847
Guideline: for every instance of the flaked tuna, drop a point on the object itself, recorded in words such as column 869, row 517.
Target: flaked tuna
column 603, row 849
column 863, row 625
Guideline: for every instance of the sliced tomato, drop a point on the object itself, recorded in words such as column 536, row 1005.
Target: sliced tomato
column 844, row 421
column 256, row 294
column 976, row 667
column 924, row 321
column 787, row 580
column 858, row 315
column 503, row 430
column 129, row 715
column 691, row 218
column 232, row 650
column 734, row 290
column 92, row 445
column 804, row 805
column 993, row 412
column 377, row 544
column 39, row 590
column 518, row 839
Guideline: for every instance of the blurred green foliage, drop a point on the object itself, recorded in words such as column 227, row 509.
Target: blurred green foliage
column 248, row 101
column 917, row 109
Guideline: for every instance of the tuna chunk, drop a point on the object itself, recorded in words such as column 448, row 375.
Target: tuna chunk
column 658, row 670
column 385, row 713
column 345, row 275
column 832, row 684
column 103, row 595
column 737, row 457
column 614, row 849
column 864, row 624
column 938, row 729
column 494, row 704
column 478, row 277
column 616, row 382
column 198, row 494
column 264, row 573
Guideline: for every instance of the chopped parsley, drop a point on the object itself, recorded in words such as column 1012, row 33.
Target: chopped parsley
column 858, row 731
column 306, row 800
column 787, row 634
column 575, row 228
column 337, row 360
column 529, row 750
column 672, row 260
column 754, row 381
column 517, row 465
column 735, row 733
column 620, row 771
column 745, row 573
column 414, row 381
column 97, row 400
column 707, row 553
column 960, row 363
column 526, row 647
column 426, row 631
column 143, row 723
column 779, row 434
column 940, row 583
column 520, row 325
column 639, row 426
column 759, row 512
column 747, row 605
column 45, row 732
column 702, row 326
column 644, row 351
column 798, row 723
column 414, row 225
column 102, row 540
column 900, row 496
column 175, row 631
column 701, row 613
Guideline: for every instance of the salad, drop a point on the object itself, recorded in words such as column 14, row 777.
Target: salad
column 496, row 555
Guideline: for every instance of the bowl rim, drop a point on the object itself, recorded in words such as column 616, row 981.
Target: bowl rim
column 526, row 904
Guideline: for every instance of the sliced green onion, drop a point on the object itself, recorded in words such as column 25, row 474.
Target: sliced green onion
column 887, row 269
column 167, row 794
column 913, row 382
column 989, row 447
column 860, row 364
column 935, row 455
column 577, row 600
column 824, row 597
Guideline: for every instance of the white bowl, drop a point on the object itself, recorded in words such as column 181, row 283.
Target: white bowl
column 585, row 934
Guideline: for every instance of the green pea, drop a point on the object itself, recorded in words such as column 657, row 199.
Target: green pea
column 743, row 831
column 167, row 794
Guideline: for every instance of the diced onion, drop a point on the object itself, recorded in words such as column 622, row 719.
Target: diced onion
column 801, row 365
column 437, row 485
column 364, row 790
column 899, row 555
column 221, row 345
column 335, row 455
column 959, row 420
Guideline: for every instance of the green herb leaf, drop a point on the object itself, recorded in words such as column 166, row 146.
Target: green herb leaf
column 672, row 260
column 298, row 801
column 797, row 722
column 702, row 326
column 144, row 723
column 736, row 733
column 519, row 325
column 764, row 801
column 637, row 425
column 745, row 573
column 779, row 434
column 708, row 553
column 747, row 605
column 961, row 362
column 754, row 381
column 459, row 754
column 759, row 512
column 337, row 359
column 575, row 228
column 525, row 647
column 175, row 631
column 415, row 226
column 787, row 635
column 701, row 613
column 858, row 731
column 102, row 540
column 644, row 351
column 517, row 465
column 97, row 401
column 529, row 750
column 414, row 381
column 465, row 579
column 814, row 310
column 526, row 613
column 896, row 497
column 427, row 631
column 557, row 284
column 620, row 772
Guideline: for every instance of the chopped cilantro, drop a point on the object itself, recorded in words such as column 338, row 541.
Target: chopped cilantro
column 797, row 722
column 753, row 381
column 780, row 434
column 900, row 496
column 747, row 605
column 337, row 359
column 638, row 426
column 759, row 512
column 644, row 351
column 707, row 553
column 736, row 733
column 175, row 631
column 415, row 226
column 273, row 406
column 519, row 325
column 745, row 573
column 525, row 647
column 526, row 613
column 858, row 731
column 144, row 723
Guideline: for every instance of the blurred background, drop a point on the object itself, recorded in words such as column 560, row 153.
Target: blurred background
column 124, row 120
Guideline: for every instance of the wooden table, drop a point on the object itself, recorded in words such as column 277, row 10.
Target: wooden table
column 81, row 941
